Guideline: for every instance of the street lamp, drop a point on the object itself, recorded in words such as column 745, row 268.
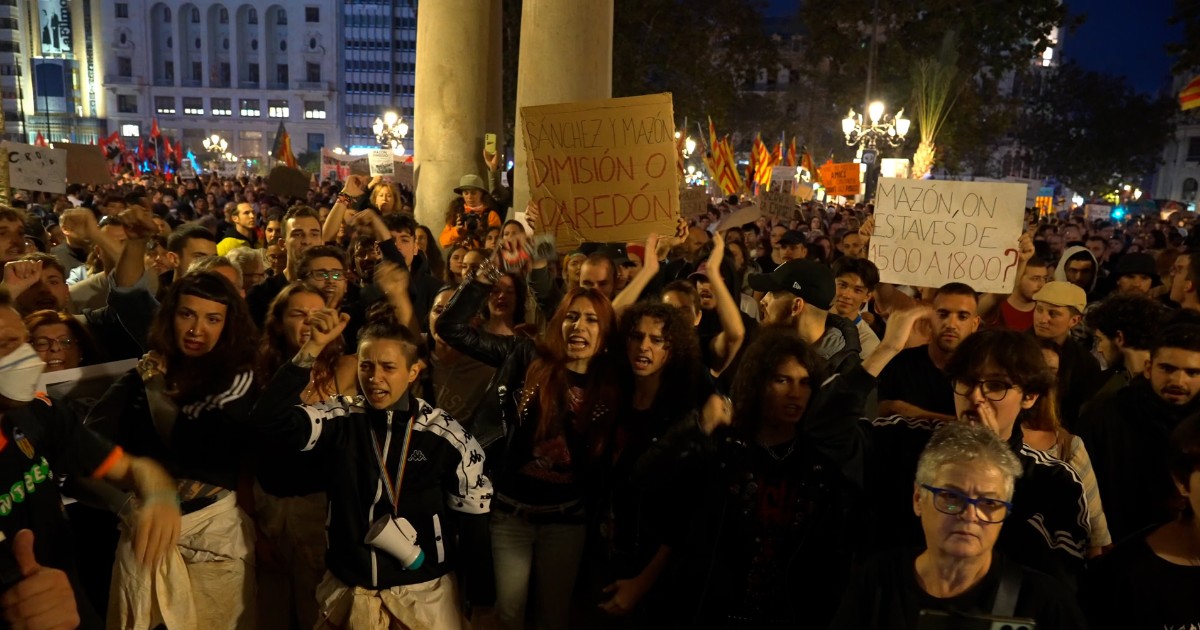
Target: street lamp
column 215, row 144
column 877, row 129
column 390, row 131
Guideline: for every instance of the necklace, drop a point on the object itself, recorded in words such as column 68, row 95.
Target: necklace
column 771, row 451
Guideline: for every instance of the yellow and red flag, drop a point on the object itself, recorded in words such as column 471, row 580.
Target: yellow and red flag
column 721, row 162
column 806, row 163
column 791, row 153
column 1189, row 97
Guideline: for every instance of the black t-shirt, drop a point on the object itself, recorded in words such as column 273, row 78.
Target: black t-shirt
column 37, row 441
column 913, row 378
column 885, row 595
column 1133, row 588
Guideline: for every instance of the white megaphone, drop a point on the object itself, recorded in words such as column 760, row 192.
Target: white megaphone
column 397, row 537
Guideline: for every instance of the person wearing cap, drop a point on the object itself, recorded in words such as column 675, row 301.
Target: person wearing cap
column 720, row 343
column 1136, row 273
column 599, row 272
column 474, row 207
column 1127, row 437
column 616, row 253
column 799, row 295
column 792, row 246
column 1058, row 308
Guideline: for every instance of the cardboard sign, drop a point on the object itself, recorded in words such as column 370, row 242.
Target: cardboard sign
column 803, row 192
column 36, row 168
column 604, row 170
column 693, row 201
column 381, row 162
column 777, row 204
column 1095, row 211
column 783, row 179
column 841, row 179
column 740, row 217
column 186, row 171
column 932, row 232
column 86, row 164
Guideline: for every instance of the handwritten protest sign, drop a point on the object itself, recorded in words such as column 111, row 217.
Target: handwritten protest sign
column 1095, row 211
column 783, row 179
column 36, row 168
column 693, row 201
column 86, row 164
column 930, row 232
column 382, row 164
column 603, row 170
column 841, row 179
column 777, row 204
column 803, row 192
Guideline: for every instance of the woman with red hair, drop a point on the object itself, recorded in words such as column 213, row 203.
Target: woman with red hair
column 543, row 423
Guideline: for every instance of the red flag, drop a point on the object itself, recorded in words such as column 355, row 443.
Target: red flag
column 167, row 147
column 179, row 152
column 141, row 152
column 40, row 141
column 154, row 132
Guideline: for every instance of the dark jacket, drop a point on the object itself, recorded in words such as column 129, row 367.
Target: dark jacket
column 767, row 539
column 1128, row 437
column 444, row 493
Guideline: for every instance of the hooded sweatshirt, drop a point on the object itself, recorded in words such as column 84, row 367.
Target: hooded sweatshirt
column 1060, row 272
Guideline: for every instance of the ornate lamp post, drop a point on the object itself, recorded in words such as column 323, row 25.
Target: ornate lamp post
column 217, row 147
column 390, row 131
column 879, row 128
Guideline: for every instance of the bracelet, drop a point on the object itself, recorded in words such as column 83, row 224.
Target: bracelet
column 343, row 198
column 489, row 271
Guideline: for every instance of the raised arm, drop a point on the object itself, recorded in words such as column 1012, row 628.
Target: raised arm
column 726, row 344
column 393, row 281
column 454, row 324
column 633, row 291
column 351, row 192
column 989, row 301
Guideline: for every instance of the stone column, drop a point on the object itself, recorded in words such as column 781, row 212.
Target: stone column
column 450, row 101
column 495, row 95
column 566, row 55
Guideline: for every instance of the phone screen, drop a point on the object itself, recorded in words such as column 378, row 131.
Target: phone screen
column 489, row 142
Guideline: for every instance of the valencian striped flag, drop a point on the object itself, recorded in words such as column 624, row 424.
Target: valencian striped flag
column 1189, row 97
column 282, row 149
column 721, row 162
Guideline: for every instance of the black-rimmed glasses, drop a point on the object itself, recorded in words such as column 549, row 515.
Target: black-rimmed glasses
column 953, row 502
column 992, row 389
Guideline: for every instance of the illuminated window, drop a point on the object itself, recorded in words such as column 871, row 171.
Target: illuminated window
column 130, row 131
column 193, row 105
column 164, row 104
column 314, row 110
column 222, row 107
column 249, row 108
column 277, row 108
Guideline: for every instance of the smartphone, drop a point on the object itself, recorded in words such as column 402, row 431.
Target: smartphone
column 489, row 142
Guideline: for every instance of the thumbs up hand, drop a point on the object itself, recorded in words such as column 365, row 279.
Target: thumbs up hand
column 43, row 599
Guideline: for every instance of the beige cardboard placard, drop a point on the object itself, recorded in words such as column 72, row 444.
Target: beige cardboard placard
column 693, row 201
column 777, row 204
column 603, row 170
column 930, row 232
column 740, row 217
column 85, row 164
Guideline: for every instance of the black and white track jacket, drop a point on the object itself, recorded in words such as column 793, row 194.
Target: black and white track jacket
column 445, row 494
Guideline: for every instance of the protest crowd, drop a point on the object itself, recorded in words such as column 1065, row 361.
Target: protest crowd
column 332, row 416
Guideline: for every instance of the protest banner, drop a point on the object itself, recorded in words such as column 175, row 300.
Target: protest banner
column 81, row 387
column 740, row 217
column 382, row 163
column 777, row 204
column 186, row 170
column 1095, row 211
column 86, row 164
column 931, row 232
column 603, row 170
column 783, row 179
column 841, row 180
column 693, row 201
column 36, row 168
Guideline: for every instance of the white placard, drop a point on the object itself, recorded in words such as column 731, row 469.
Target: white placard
column 932, row 232
column 382, row 164
column 186, row 171
column 36, row 168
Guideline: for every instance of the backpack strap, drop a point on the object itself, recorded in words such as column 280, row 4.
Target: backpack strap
column 1005, row 603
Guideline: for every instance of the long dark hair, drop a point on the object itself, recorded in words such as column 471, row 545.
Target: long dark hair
column 548, row 371
column 762, row 358
column 522, row 293
column 191, row 378
column 274, row 349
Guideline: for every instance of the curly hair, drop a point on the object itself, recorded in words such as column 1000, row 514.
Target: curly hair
column 762, row 358
column 1136, row 318
column 682, row 373
column 273, row 349
column 234, row 351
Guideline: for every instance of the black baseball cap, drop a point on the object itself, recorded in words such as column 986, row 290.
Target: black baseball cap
column 806, row 279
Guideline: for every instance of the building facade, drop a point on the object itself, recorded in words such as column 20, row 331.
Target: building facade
column 1178, row 179
column 51, row 69
column 234, row 69
column 379, row 62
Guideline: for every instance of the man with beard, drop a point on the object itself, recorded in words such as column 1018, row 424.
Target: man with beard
column 914, row 384
column 1128, row 439
column 799, row 296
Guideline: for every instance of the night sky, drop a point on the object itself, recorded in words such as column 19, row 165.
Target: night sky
column 1124, row 37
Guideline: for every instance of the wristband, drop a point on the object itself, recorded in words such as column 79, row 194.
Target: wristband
column 488, row 271
column 345, row 199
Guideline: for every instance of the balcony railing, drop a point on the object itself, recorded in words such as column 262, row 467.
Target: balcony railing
column 312, row 85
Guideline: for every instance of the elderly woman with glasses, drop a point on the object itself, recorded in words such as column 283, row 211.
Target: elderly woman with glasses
column 963, row 494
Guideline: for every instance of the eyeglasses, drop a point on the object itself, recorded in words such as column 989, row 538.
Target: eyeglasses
column 324, row 274
column 992, row 390
column 953, row 502
column 42, row 344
